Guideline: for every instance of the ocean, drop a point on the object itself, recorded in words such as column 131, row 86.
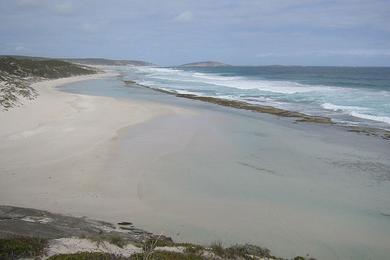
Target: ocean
column 357, row 96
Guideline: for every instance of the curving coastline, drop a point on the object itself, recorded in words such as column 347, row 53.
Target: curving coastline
column 299, row 117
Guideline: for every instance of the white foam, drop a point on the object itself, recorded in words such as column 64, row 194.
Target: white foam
column 330, row 106
column 180, row 91
column 283, row 87
column 383, row 119
column 283, row 94
column 214, row 77
column 158, row 70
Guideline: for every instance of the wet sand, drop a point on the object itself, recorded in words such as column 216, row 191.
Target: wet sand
column 201, row 172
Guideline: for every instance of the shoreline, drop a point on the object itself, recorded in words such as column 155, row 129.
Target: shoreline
column 175, row 165
column 297, row 116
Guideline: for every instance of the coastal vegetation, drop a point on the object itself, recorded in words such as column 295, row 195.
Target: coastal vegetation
column 37, row 234
column 17, row 74
column 22, row 247
column 36, row 248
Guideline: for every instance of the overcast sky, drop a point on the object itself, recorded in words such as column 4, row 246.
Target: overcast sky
column 168, row 32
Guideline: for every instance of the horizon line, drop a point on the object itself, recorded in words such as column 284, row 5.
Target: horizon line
column 177, row 65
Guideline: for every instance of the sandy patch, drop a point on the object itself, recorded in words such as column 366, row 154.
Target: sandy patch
column 75, row 245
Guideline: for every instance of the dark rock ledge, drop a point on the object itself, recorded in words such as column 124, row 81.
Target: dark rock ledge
column 15, row 221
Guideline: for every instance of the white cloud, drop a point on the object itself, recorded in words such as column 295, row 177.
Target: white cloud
column 20, row 48
column 57, row 7
column 63, row 8
column 89, row 28
column 14, row 48
column 357, row 52
column 186, row 16
column 31, row 3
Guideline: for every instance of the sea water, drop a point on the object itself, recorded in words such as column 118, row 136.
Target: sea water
column 348, row 95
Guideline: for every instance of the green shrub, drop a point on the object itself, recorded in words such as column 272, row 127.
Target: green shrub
column 112, row 239
column 84, row 256
column 152, row 243
column 217, row 248
column 164, row 255
column 21, row 247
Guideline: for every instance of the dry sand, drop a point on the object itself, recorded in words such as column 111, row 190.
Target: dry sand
column 54, row 149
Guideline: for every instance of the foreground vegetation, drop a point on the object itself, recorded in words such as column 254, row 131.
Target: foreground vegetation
column 16, row 75
column 22, row 247
column 35, row 248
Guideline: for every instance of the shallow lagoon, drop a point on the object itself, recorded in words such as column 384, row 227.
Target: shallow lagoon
column 238, row 176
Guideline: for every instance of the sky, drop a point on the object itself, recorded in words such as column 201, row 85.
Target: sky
column 172, row 32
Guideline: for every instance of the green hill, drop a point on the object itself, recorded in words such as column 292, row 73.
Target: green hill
column 50, row 68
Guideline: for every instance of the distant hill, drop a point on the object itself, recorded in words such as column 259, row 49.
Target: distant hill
column 87, row 61
column 205, row 64
column 18, row 72
column 108, row 62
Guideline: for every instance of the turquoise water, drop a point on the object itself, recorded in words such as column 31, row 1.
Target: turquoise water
column 214, row 175
column 348, row 95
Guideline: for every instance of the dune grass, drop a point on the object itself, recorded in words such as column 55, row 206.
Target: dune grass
column 21, row 247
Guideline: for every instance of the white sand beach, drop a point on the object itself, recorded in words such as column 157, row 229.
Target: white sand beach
column 198, row 172
column 54, row 148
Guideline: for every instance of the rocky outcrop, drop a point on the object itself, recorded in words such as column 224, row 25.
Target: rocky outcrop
column 15, row 221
